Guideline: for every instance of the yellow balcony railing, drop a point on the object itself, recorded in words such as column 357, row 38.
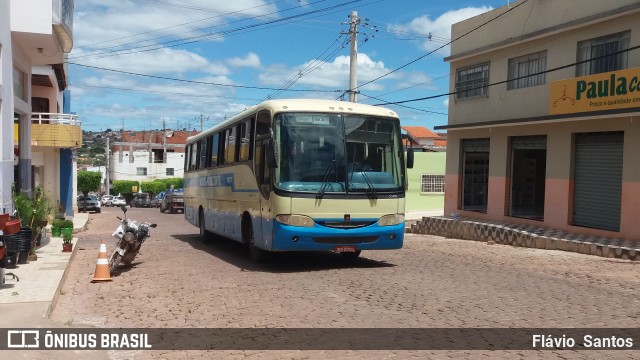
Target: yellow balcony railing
column 56, row 130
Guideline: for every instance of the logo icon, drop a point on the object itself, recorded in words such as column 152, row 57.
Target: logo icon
column 564, row 97
column 23, row 339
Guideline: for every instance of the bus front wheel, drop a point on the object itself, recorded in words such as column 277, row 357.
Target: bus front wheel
column 257, row 255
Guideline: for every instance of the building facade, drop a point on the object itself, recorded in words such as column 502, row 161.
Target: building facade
column 544, row 122
column 148, row 155
column 426, row 181
column 38, row 137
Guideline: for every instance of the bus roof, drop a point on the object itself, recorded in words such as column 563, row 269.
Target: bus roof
column 303, row 105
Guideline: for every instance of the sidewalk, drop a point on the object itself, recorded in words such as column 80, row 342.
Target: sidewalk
column 28, row 302
column 418, row 215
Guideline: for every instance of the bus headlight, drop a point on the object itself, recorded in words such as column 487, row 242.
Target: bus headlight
column 392, row 219
column 295, row 220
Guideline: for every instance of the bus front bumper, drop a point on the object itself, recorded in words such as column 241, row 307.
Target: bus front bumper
column 322, row 238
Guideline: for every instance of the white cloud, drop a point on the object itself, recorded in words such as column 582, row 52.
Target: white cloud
column 440, row 28
column 446, row 103
column 416, row 80
column 333, row 75
column 104, row 23
column 252, row 60
column 165, row 60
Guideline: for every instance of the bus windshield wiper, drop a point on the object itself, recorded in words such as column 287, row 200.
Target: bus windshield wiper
column 371, row 191
column 325, row 180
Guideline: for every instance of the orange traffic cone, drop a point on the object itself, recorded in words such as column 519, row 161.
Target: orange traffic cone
column 102, row 266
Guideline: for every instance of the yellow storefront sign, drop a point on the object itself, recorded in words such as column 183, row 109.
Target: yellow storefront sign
column 607, row 91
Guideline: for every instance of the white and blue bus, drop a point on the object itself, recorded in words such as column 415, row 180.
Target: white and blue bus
column 300, row 175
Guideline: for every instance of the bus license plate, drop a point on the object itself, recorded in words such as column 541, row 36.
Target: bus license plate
column 344, row 249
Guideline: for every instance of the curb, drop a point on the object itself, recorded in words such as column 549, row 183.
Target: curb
column 526, row 236
column 54, row 301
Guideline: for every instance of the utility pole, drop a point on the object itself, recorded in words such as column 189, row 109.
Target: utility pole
column 107, row 170
column 353, row 63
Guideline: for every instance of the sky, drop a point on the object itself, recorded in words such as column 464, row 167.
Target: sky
column 146, row 64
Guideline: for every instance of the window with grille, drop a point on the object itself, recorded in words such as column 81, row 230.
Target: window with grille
column 605, row 53
column 475, row 174
column 525, row 71
column 169, row 172
column 141, row 171
column 432, row 183
column 471, row 82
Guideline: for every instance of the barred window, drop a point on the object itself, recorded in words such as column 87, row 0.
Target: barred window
column 432, row 183
column 472, row 82
column 141, row 171
column 607, row 54
column 169, row 172
column 522, row 68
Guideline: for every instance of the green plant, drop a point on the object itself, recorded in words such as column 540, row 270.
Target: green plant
column 32, row 212
column 88, row 181
column 57, row 223
column 123, row 186
column 67, row 238
column 66, row 224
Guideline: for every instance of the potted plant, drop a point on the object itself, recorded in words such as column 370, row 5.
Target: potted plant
column 67, row 227
column 56, row 227
column 67, row 245
column 33, row 214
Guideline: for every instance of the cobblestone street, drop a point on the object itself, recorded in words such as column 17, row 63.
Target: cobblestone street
column 178, row 281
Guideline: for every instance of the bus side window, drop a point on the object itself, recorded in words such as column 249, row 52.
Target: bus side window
column 263, row 123
column 202, row 151
column 193, row 157
column 262, row 171
column 245, row 138
column 215, row 146
column 230, row 145
column 187, row 151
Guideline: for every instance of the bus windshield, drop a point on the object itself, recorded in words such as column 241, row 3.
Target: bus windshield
column 338, row 153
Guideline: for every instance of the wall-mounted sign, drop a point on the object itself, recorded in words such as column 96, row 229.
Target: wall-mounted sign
column 606, row 91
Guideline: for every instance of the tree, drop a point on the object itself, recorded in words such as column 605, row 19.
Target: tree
column 176, row 182
column 123, row 186
column 88, row 181
column 153, row 187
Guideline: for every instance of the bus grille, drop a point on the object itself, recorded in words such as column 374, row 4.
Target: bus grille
column 345, row 240
column 346, row 224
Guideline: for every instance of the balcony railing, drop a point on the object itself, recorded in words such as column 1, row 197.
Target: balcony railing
column 55, row 119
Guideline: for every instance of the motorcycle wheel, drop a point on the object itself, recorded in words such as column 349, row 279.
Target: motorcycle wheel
column 133, row 248
column 114, row 261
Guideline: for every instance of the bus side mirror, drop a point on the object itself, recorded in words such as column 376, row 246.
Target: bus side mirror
column 409, row 158
column 272, row 154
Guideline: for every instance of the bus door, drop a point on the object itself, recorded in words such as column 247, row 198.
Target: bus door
column 263, row 229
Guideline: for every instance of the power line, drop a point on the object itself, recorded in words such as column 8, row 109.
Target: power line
column 440, row 47
column 312, row 66
column 509, row 80
column 198, row 38
column 199, row 82
column 183, row 24
column 404, row 106
column 162, row 92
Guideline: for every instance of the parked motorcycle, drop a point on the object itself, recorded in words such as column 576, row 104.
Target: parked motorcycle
column 130, row 234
